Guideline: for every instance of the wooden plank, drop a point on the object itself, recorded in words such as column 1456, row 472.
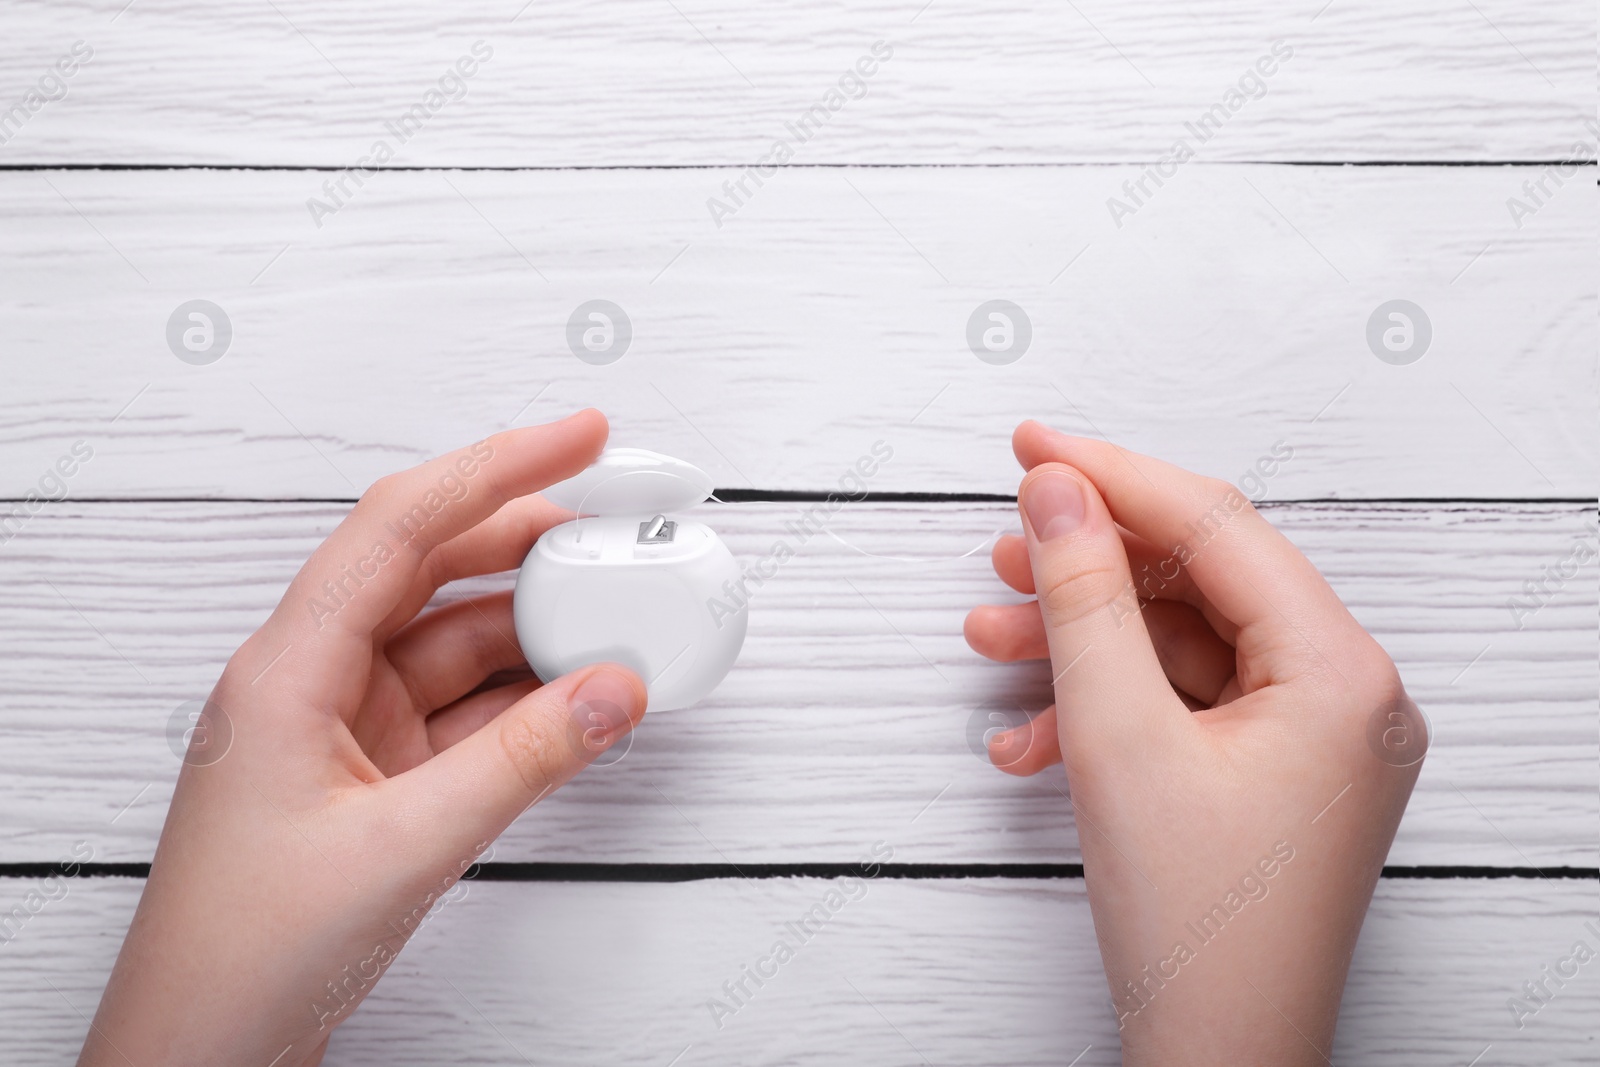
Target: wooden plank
column 714, row 82
column 907, row 972
column 850, row 714
column 1229, row 314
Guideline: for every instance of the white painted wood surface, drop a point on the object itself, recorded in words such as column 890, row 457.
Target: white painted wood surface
column 712, row 81
column 840, row 724
column 1230, row 313
column 1227, row 314
column 914, row 973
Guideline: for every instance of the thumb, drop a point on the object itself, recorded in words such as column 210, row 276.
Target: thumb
column 474, row 789
column 1107, row 677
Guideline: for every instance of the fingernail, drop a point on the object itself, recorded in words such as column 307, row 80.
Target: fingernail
column 606, row 705
column 1008, row 746
column 1054, row 503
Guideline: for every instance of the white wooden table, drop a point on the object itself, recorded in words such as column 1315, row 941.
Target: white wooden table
column 1207, row 319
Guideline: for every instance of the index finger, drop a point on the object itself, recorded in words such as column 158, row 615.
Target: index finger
column 1246, row 568
column 366, row 566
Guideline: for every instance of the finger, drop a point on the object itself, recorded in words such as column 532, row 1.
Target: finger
column 1230, row 692
column 1156, row 575
column 1029, row 748
column 1107, row 676
column 364, row 568
column 1248, row 570
column 1010, row 558
column 448, row 652
column 1194, row 658
column 314, row 1058
column 499, row 543
column 1007, row 633
column 465, row 717
column 470, row 792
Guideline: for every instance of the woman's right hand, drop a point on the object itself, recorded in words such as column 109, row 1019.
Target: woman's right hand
column 1239, row 750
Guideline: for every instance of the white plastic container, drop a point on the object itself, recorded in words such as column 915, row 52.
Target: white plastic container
column 631, row 581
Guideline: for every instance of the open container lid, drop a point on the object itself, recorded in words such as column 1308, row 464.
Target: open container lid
column 632, row 481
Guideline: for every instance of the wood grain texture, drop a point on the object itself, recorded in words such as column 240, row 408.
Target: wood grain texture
column 714, row 82
column 908, row 973
column 856, row 710
column 1228, row 315
column 827, row 312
